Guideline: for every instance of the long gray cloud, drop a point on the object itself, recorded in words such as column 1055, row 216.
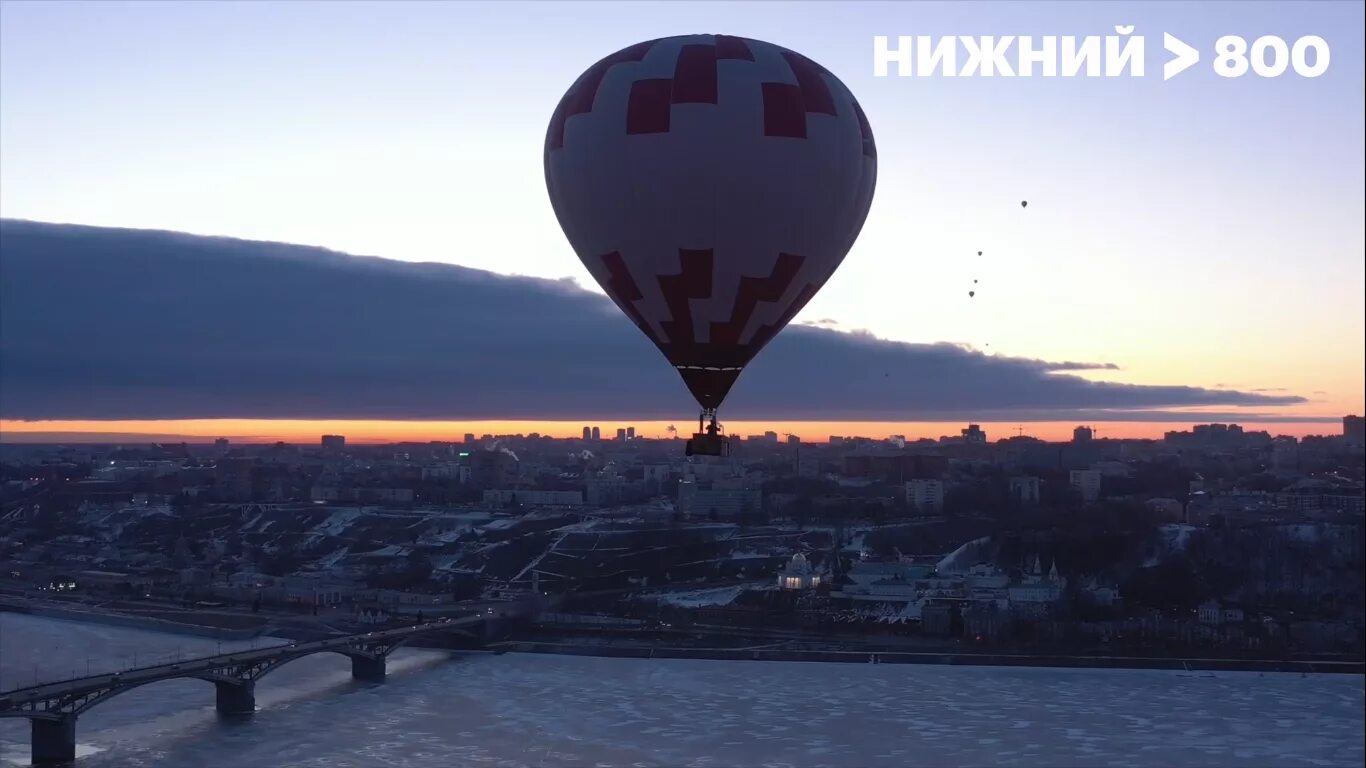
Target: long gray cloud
column 126, row 324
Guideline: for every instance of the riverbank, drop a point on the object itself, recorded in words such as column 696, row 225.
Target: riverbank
column 132, row 621
column 581, row 647
column 721, row 646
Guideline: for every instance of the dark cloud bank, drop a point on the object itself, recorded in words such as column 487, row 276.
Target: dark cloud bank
column 126, row 324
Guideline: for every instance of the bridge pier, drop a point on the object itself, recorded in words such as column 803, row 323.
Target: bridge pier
column 54, row 741
column 368, row 668
column 236, row 698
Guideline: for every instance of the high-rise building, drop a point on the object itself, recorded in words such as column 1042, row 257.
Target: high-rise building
column 974, row 434
column 587, row 433
column 1086, row 482
column 630, row 433
column 621, row 435
column 235, row 478
column 771, row 437
column 794, row 440
column 1354, row 428
column 597, row 433
column 1082, row 434
column 1285, row 454
column 493, row 469
column 469, row 438
column 1025, row 489
column 221, row 445
column 925, row 496
column 333, row 442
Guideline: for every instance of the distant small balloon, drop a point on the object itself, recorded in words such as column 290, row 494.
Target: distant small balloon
column 979, row 253
column 974, row 282
column 971, row 294
column 1024, row 203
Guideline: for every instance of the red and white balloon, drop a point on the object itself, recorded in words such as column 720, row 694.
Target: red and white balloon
column 711, row 185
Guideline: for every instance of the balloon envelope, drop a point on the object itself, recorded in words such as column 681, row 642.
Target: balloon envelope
column 711, row 185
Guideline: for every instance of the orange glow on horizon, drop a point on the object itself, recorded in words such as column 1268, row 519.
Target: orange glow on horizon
column 366, row 431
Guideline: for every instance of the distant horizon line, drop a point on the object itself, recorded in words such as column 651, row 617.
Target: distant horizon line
column 363, row 432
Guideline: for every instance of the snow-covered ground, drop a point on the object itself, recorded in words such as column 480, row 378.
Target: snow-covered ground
column 700, row 598
column 749, row 554
column 339, row 521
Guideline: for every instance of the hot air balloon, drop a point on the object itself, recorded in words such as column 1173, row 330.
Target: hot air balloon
column 711, row 185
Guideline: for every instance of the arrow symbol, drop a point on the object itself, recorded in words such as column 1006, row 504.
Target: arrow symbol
column 1183, row 56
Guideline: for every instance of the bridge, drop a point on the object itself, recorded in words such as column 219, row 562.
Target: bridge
column 52, row 708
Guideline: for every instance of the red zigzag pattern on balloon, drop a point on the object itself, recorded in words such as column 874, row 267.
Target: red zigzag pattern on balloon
column 695, row 281
column 650, row 103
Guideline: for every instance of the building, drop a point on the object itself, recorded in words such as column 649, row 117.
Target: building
column 925, row 496
column 234, row 477
column 1036, row 590
column 717, row 503
column 621, row 435
column 587, row 433
column 1026, row 489
column 974, row 435
column 221, row 445
column 895, row 467
column 1354, row 429
column 1213, row 613
column 469, row 438
column 1168, row 510
column 329, row 492
column 1285, row 455
column 771, row 437
column 597, row 433
column 528, row 498
column 333, row 442
column 798, row 574
column 1086, row 482
column 793, row 440
column 493, row 469
column 630, row 433
column 608, row 490
column 1083, row 434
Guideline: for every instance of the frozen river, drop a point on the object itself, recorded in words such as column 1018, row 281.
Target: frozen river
column 549, row 711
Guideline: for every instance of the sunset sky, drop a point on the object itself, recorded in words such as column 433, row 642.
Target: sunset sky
column 1204, row 231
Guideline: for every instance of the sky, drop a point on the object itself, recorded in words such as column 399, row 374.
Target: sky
column 1203, row 232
